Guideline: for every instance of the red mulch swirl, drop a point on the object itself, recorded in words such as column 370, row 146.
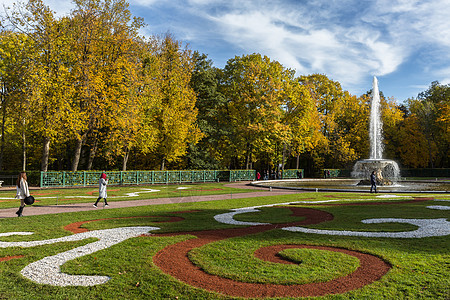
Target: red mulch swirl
column 173, row 260
column 6, row 258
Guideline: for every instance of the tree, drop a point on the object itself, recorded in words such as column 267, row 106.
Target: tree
column 48, row 86
column 334, row 106
column 413, row 149
column 205, row 82
column 105, row 68
column 433, row 116
column 173, row 99
column 392, row 117
column 303, row 120
column 14, row 53
column 255, row 90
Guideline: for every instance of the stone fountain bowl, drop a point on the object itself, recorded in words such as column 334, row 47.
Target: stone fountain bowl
column 351, row 185
column 389, row 169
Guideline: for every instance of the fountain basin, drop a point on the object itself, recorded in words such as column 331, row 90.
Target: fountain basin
column 388, row 169
column 351, row 185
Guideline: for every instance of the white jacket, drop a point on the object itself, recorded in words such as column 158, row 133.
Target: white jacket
column 22, row 191
column 102, row 188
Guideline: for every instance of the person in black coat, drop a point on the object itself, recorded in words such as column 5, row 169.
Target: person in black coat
column 373, row 182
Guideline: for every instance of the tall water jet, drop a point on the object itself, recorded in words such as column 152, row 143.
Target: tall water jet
column 387, row 171
column 375, row 125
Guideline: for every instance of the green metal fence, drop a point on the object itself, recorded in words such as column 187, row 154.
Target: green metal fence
column 333, row 173
column 88, row 178
column 293, row 173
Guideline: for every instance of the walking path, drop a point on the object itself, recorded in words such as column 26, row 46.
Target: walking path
column 56, row 209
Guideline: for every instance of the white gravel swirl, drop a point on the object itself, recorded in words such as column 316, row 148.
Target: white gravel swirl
column 439, row 207
column 15, row 233
column 426, row 228
column 228, row 218
column 47, row 270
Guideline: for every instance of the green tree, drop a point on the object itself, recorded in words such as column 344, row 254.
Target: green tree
column 205, row 82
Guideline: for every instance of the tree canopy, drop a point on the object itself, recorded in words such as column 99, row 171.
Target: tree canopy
column 86, row 91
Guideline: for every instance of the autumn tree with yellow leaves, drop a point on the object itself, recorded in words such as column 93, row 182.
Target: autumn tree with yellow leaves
column 256, row 90
column 173, row 99
column 85, row 91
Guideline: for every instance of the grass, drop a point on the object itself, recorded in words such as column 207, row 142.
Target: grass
column 234, row 259
column 420, row 267
column 59, row 196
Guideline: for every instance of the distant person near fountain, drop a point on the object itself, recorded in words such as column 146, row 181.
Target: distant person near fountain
column 373, row 182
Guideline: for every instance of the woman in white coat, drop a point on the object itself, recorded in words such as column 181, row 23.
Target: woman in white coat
column 103, row 182
column 22, row 191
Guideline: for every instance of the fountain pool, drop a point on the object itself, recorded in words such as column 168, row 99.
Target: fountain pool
column 351, row 185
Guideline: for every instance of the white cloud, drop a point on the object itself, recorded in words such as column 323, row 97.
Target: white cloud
column 376, row 40
column 303, row 43
column 349, row 40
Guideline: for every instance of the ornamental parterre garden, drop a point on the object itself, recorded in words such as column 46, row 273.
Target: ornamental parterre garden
column 319, row 245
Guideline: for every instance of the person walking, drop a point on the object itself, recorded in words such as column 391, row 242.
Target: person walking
column 102, row 189
column 373, row 182
column 22, row 191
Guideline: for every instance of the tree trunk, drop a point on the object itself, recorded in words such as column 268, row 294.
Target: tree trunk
column 163, row 163
column 430, row 156
column 248, row 159
column 284, row 157
column 92, row 154
column 24, row 148
column 77, row 154
column 2, row 147
column 298, row 161
column 45, row 154
column 125, row 159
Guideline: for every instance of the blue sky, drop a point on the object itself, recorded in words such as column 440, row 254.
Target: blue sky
column 405, row 43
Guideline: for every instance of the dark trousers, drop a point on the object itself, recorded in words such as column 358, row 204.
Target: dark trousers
column 99, row 198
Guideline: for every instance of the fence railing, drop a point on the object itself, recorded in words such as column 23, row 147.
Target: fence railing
column 293, row 173
column 330, row 173
column 88, row 178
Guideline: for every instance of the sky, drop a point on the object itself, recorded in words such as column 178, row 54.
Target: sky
column 404, row 43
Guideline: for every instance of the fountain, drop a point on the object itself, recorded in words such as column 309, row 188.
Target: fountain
column 386, row 170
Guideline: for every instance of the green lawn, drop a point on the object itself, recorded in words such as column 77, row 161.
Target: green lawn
column 420, row 266
column 53, row 196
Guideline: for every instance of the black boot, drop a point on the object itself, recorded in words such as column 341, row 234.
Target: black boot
column 19, row 212
column 96, row 202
